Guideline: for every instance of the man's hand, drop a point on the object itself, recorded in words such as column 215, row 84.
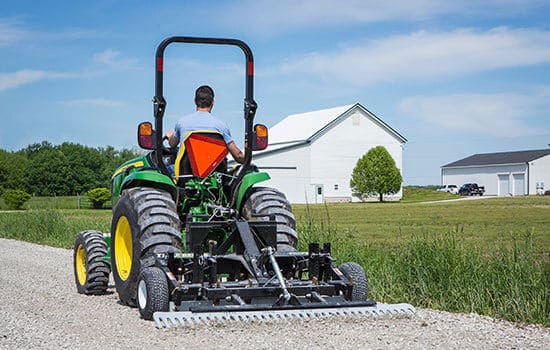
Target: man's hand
column 173, row 141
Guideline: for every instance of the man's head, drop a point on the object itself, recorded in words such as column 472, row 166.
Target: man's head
column 204, row 97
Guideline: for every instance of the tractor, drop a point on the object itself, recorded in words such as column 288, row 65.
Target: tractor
column 210, row 243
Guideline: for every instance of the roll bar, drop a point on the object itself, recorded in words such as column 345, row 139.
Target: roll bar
column 159, row 103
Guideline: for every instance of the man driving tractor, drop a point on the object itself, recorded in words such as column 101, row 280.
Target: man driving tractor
column 203, row 119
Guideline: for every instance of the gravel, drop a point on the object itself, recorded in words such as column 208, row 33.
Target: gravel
column 40, row 308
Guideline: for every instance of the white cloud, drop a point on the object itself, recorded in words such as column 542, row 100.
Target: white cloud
column 501, row 115
column 26, row 76
column 268, row 17
column 426, row 55
column 114, row 58
column 14, row 31
column 93, row 102
column 11, row 31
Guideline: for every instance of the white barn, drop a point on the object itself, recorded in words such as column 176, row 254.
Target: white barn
column 503, row 174
column 311, row 155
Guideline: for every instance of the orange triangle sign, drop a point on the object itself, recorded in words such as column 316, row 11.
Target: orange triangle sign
column 205, row 153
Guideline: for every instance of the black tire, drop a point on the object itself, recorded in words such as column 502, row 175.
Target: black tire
column 356, row 274
column 263, row 202
column 152, row 226
column 91, row 270
column 152, row 293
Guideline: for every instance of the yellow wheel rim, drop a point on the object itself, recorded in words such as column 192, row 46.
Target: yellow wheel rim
column 123, row 248
column 80, row 263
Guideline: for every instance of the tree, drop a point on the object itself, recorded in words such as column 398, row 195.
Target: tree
column 48, row 173
column 12, row 170
column 375, row 173
column 15, row 199
column 98, row 197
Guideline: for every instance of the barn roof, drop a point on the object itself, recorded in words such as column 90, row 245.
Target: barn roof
column 303, row 127
column 499, row 158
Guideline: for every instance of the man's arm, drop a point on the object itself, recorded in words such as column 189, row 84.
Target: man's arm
column 237, row 154
column 173, row 141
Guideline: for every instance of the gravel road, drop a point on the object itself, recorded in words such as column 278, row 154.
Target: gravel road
column 40, row 308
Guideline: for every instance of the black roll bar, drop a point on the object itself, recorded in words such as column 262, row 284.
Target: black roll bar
column 159, row 103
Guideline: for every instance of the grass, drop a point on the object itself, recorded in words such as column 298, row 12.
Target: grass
column 482, row 223
column 420, row 194
column 444, row 272
column 488, row 256
column 58, row 202
column 57, row 228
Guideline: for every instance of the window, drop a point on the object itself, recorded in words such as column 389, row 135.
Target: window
column 319, row 190
column 355, row 119
column 336, row 187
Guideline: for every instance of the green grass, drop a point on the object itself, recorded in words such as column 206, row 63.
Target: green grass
column 420, row 194
column 487, row 256
column 445, row 272
column 57, row 228
column 58, row 202
column 482, row 223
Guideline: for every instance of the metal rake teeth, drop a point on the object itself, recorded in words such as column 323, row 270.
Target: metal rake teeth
column 190, row 319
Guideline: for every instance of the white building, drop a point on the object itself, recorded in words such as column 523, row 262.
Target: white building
column 503, row 174
column 311, row 155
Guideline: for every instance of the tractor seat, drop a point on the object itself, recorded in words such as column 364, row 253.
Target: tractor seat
column 200, row 154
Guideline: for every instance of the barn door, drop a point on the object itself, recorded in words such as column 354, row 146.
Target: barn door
column 503, row 185
column 519, row 181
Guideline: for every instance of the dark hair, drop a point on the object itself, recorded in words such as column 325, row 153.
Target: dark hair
column 204, row 96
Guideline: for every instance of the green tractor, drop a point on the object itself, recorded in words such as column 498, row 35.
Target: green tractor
column 209, row 243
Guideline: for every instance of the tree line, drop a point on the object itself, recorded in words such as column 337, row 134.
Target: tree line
column 43, row 169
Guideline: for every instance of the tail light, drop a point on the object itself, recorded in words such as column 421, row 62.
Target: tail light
column 259, row 140
column 146, row 135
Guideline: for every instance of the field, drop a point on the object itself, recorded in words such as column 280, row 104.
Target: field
column 490, row 256
column 59, row 202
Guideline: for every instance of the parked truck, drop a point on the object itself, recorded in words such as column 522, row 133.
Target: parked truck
column 471, row 189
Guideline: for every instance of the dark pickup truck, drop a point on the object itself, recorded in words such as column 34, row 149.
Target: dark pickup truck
column 471, row 190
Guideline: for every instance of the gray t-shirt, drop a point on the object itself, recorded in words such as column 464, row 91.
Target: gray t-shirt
column 201, row 121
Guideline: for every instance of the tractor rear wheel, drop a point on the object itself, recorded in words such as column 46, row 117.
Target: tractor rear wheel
column 91, row 270
column 356, row 274
column 145, row 222
column 264, row 202
column 152, row 292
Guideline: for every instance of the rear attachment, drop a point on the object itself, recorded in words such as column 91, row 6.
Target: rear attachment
column 190, row 319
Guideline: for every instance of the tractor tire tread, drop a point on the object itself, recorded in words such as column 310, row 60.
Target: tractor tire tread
column 157, row 230
column 356, row 273
column 157, row 292
column 256, row 209
column 97, row 268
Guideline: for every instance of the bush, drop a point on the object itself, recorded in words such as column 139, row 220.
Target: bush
column 15, row 199
column 98, row 197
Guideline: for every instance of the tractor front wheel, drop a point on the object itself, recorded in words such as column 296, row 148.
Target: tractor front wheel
column 91, row 270
column 355, row 273
column 152, row 292
column 145, row 223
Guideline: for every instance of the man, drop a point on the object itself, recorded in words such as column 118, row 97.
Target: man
column 202, row 119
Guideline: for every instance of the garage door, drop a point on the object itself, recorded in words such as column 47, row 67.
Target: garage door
column 503, row 185
column 519, row 180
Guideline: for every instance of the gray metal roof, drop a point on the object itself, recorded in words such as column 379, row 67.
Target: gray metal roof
column 499, row 158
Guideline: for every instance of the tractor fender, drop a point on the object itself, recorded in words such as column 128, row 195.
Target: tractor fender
column 248, row 181
column 150, row 178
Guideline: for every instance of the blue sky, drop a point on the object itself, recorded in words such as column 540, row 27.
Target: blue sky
column 454, row 77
